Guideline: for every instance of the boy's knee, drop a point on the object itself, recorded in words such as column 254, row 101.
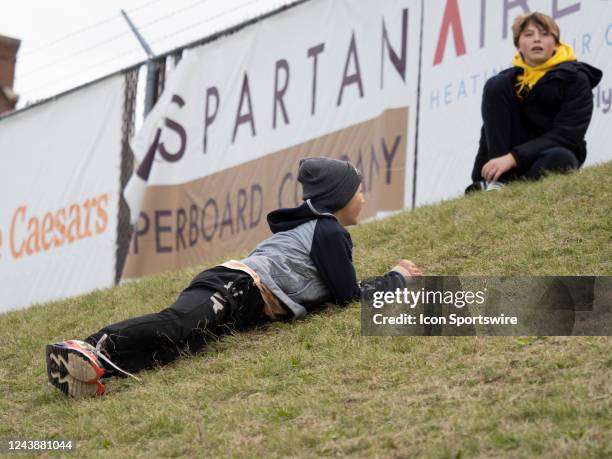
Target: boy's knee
column 559, row 158
column 556, row 159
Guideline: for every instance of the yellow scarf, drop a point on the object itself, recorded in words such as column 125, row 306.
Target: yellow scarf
column 531, row 75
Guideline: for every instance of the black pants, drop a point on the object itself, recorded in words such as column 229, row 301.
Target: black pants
column 504, row 127
column 217, row 301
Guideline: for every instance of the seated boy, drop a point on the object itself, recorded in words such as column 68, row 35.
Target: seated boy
column 305, row 263
column 537, row 112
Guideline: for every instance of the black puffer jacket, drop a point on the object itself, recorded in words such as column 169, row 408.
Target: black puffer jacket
column 557, row 110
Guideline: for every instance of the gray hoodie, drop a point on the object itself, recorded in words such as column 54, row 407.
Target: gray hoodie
column 308, row 260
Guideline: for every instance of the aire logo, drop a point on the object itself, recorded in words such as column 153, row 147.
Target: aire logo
column 451, row 21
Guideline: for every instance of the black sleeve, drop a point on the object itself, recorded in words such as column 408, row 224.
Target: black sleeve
column 386, row 283
column 569, row 126
column 332, row 255
column 481, row 157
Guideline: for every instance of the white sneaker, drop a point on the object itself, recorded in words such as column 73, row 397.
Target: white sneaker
column 494, row 186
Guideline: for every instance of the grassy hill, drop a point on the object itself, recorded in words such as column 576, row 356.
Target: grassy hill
column 318, row 388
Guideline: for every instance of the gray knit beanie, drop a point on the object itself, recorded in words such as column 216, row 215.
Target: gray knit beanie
column 329, row 183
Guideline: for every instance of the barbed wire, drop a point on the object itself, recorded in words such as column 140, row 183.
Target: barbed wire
column 133, row 50
column 173, row 13
column 83, row 70
column 164, row 37
column 105, row 42
column 63, row 59
column 84, row 29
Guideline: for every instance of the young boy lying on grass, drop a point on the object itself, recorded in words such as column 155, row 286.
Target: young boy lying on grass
column 305, row 263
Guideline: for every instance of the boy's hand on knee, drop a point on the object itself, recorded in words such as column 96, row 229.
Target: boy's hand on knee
column 407, row 269
column 495, row 168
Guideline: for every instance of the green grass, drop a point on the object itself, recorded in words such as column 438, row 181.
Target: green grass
column 318, row 388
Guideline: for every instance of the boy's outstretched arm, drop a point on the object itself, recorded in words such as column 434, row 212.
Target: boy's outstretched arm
column 331, row 254
column 394, row 279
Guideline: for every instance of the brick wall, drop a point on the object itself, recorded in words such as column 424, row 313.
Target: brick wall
column 8, row 54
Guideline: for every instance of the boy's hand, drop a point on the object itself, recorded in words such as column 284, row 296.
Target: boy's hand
column 407, row 269
column 494, row 168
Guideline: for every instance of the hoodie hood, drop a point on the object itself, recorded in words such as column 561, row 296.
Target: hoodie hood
column 565, row 70
column 286, row 219
column 563, row 64
column 593, row 73
column 531, row 75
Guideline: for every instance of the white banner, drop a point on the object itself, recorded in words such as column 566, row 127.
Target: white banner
column 296, row 84
column 59, row 187
column 465, row 42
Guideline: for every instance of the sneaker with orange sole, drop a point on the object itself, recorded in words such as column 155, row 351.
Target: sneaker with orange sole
column 75, row 367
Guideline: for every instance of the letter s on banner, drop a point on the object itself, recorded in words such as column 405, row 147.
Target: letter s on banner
column 135, row 189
